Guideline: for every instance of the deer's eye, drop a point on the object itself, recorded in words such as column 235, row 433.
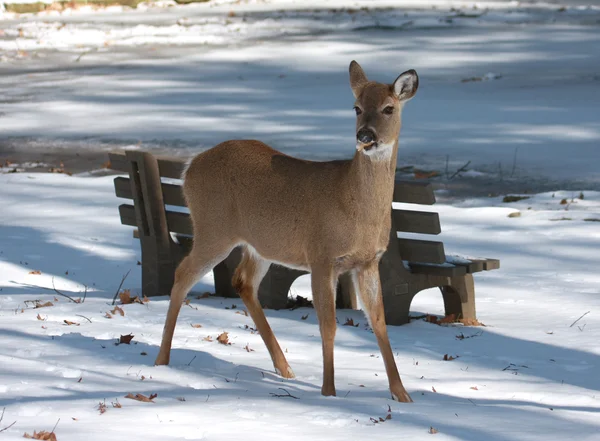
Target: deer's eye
column 357, row 110
column 388, row 110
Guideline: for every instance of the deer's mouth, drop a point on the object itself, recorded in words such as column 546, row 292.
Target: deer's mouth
column 366, row 147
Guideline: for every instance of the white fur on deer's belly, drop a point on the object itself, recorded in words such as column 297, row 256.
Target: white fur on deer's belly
column 381, row 152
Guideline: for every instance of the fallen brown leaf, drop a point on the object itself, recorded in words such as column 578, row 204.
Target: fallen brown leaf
column 117, row 310
column 39, row 317
column 126, row 298
column 43, row 305
column 126, row 339
column 474, row 388
column 223, row 338
column 204, row 295
column 208, row 338
column 140, row 397
column 433, row 389
column 108, row 315
column 36, row 273
column 43, row 435
column 101, row 407
column 243, row 312
column 196, row 325
column 350, row 322
column 449, row 357
column 433, row 431
column 247, row 348
column 69, row 323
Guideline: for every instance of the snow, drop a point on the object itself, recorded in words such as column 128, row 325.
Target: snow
column 535, row 374
column 180, row 79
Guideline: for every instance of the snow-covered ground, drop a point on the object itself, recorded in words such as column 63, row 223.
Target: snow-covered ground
column 528, row 375
column 183, row 78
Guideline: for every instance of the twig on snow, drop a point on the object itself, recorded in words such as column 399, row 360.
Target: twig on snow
column 1, row 418
column 83, row 316
column 462, row 169
column 286, row 395
column 573, row 324
column 120, row 285
column 62, row 294
column 514, row 167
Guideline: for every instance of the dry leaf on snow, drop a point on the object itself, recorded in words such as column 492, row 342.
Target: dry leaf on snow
column 350, row 322
column 433, row 430
column 43, row 435
column 196, row 325
column 449, row 357
column 43, row 305
column 140, row 397
column 39, row 317
column 69, row 323
column 36, row 273
column 208, row 338
column 223, row 338
column 126, row 339
column 126, row 298
column 474, row 388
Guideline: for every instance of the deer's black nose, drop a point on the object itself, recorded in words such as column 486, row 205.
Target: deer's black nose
column 365, row 136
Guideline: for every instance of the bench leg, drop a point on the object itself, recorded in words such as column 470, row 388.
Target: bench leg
column 459, row 297
column 275, row 287
column 158, row 268
column 346, row 295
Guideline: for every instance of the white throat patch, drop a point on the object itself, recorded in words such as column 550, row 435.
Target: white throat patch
column 382, row 152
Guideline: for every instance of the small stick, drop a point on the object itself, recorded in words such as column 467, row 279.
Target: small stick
column 514, row 167
column 447, row 159
column 463, row 168
column 79, row 315
column 287, row 394
column 84, row 293
column 2, row 417
column 120, row 285
column 191, row 360
column 572, row 324
column 54, row 428
column 60, row 293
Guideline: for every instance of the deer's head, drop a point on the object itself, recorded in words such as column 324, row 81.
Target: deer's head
column 379, row 110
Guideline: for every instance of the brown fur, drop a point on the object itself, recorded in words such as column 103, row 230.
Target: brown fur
column 324, row 217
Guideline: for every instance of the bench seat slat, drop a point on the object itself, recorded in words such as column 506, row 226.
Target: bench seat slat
column 172, row 194
column 416, row 222
column 437, row 270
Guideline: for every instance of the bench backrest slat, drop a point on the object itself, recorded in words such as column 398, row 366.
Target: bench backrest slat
column 179, row 223
column 426, row 251
column 167, row 166
column 413, row 192
column 417, row 222
column 172, row 194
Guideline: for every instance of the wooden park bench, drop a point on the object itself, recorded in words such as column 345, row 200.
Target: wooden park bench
column 408, row 267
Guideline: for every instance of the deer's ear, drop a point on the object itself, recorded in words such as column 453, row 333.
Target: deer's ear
column 406, row 85
column 357, row 78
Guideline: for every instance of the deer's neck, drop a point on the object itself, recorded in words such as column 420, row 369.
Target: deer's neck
column 372, row 179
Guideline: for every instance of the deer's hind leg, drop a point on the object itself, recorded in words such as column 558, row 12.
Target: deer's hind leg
column 246, row 280
column 203, row 258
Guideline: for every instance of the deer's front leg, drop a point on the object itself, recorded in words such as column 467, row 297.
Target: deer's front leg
column 323, row 288
column 368, row 286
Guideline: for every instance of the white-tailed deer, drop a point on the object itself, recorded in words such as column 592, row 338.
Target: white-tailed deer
column 328, row 218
